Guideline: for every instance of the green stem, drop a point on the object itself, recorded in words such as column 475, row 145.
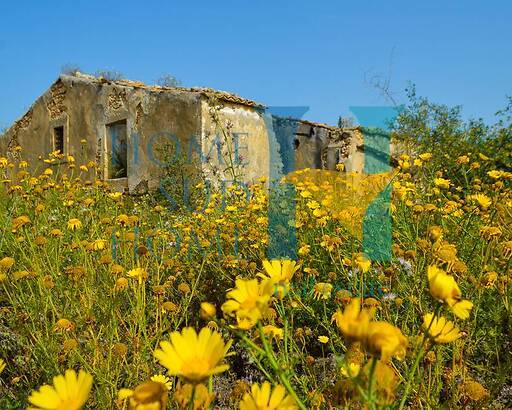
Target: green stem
column 192, row 397
column 419, row 355
column 370, row 382
column 279, row 370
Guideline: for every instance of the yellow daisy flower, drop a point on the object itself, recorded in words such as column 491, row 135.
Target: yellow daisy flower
column 160, row 378
column 350, row 370
column 69, row 392
column 362, row 263
column 322, row 290
column 151, row 395
column 208, row 310
column 482, row 200
column 19, row 222
column 262, row 397
column 323, row 339
column 248, row 301
column 280, row 272
column 74, row 224
column 442, row 183
column 353, row 322
column 6, row 263
column 193, row 356
column 274, row 332
column 138, row 273
column 440, row 329
column 385, row 339
column 444, row 287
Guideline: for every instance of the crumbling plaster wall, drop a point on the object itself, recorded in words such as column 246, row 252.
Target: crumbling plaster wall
column 309, row 144
column 354, row 161
column 34, row 130
column 154, row 118
column 242, row 135
column 168, row 120
column 85, row 108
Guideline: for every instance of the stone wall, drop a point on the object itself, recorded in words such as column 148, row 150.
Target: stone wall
column 234, row 141
column 174, row 130
column 84, row 108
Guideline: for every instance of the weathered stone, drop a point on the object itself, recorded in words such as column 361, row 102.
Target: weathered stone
column 164, row 130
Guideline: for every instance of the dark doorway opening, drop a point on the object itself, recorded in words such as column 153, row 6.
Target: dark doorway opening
column 58, row 139
column 117, row 150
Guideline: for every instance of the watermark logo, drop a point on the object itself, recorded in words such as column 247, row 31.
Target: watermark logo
column 281, row 125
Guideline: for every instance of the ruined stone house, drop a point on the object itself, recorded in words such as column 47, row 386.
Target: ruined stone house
column 134, row 131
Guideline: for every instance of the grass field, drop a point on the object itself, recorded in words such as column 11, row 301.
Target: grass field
column 116, row 287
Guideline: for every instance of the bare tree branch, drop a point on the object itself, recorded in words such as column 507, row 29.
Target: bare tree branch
column 383, row 83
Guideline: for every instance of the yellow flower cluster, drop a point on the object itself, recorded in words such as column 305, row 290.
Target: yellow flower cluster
column 378, row 337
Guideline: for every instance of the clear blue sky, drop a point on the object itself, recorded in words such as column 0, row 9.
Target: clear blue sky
column 313, row 53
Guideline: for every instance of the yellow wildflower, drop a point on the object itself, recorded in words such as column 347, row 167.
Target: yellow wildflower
column 489, row 279
column 115, row 195
column 99, row 244
column 121, row 284
column 160, row 378
column 274, row 332
column 280, row 273
column 495, row 174
column 322, row 290
column 262, row 397
column 443, row 287
column 6, row 263
column 64, row 324
column 248, row 301
column 440, row 329
column 184, row 288
column 464, row 159
column 462, row 308
column 208, row 310
column 69, row 392
column 195, row 357
column 74, row 224
column 362, row 263
column 151, row 395
column 323, row 339
column 385, row 339
column 20, row 274
column 56, row 233
column 304, row 250
column 482, row 200
column 19, row 222
column 442, row 183
column 436, row 232
column 350, row 370
column 353, row 322
column 138, row 273
column 202, row 397
column 123, row 219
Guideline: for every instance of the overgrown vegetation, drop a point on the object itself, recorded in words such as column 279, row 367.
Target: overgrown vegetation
column 94, row 280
